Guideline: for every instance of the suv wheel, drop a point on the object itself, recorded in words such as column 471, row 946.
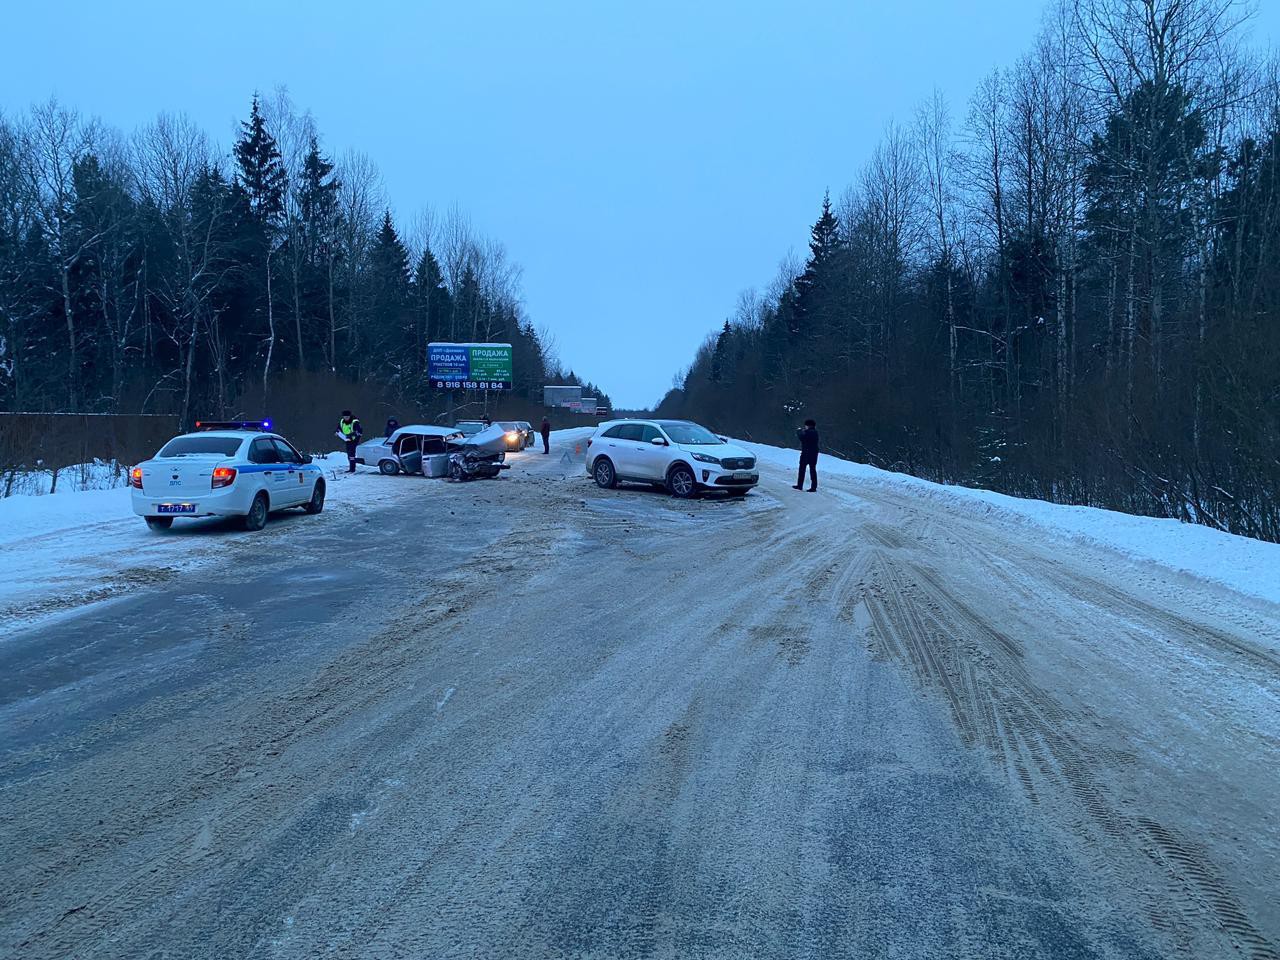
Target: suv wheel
column 605, row 475
column 256, row 518
column 682, row 482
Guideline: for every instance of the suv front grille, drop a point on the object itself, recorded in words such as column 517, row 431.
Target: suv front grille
column 738, row 463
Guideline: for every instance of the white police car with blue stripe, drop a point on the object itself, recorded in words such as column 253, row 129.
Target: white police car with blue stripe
column 225, row 469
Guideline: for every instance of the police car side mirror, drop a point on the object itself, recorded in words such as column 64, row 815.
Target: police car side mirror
column 306, row 458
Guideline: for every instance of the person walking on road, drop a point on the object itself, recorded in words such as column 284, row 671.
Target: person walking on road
column 350, row 432
column 808, row 435
column 545, row 429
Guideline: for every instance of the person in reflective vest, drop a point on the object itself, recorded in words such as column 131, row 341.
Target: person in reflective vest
column 350, row 432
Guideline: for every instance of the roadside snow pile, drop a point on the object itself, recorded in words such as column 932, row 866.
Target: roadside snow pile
column 1248, row 566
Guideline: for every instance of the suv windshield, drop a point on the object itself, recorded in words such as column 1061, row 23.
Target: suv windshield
column 689, row 433
column 470, row 427
column 186, row 446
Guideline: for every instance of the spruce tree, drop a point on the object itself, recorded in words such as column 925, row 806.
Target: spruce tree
column 813, row 285
column 262, row 180
column 389, row 317
column 317, row 201
column 261, row 169
column 824, row 238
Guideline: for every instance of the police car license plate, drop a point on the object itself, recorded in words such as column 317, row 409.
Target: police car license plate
column 176, row 508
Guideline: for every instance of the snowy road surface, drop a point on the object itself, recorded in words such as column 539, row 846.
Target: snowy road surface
column 530, row 718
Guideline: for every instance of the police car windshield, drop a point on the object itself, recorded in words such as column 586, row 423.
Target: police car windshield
column 188, row 446
column 689, row 433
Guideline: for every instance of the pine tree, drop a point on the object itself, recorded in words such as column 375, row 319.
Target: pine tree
column 389, row 305
column 720, row 354
column 311, row 228
column 432, row 306
column 261, row 169
column 262, row 180
column 317, row 202
column 812, row 285
column 824, row 238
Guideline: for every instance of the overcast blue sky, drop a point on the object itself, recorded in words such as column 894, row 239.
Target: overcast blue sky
column 643, row 161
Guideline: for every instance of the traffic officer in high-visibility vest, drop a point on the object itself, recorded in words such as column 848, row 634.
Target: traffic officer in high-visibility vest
column 350, row 432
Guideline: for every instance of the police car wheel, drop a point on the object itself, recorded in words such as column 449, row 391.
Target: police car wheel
column 256, row 518
column 316, row 503
column 159, row 523
column 388, row 468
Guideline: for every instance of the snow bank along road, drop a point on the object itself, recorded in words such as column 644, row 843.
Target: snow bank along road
column 530, row 718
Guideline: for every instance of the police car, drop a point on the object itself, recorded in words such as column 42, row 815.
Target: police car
column 225, row 469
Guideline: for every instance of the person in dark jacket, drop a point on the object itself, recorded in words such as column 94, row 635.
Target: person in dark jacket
column 392, row 426
column 808, row 435
column 545, row 430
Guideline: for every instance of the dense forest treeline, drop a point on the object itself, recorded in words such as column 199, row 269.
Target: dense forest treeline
column 153, row 273
column 1071, row 292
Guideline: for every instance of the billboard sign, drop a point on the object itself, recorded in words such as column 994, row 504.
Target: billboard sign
column 469, row 366
column 560, row 396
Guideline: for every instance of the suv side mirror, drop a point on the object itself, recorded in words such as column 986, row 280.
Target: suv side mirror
column 658, row 442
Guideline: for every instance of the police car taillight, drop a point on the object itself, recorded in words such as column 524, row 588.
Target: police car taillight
column 135, row 477
column 223, row 477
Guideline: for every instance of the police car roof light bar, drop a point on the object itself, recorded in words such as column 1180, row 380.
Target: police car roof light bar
column 260, row 425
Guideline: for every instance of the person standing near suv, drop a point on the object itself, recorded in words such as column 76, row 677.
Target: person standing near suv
column 545, row 430
column 808, row 435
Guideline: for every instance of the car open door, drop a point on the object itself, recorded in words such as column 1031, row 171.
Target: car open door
column 409, row 453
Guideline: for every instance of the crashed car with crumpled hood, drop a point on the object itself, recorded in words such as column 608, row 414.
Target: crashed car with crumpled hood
column 480, row 456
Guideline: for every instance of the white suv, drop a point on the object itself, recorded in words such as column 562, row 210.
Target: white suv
column 678, row 455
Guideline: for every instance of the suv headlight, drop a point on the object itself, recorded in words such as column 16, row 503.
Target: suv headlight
column 704, row 458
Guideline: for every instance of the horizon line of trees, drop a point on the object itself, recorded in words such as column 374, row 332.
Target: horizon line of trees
column 156, row 273
column 1072, row 293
